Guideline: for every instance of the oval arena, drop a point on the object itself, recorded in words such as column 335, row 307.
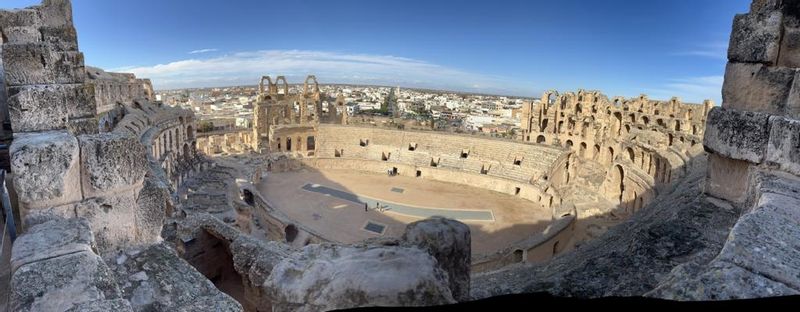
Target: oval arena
column 572, row 172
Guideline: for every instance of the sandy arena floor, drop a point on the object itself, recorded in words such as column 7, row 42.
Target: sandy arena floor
column 343, row 221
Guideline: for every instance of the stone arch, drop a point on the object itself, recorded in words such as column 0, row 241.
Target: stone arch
column 583, row 149
column 568, row 144
column 616, row 184
column 189, row 133
column 187, row 153
column 282, row 88
column 291, row 232
column 596, row 151
column 541, row 139
column 610, row 155
column 631, row 154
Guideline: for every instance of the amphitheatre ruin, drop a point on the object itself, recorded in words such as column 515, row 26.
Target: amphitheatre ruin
column 120, row 204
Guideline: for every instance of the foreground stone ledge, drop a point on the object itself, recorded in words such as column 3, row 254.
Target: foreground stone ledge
column 756, row 87
column 364, row 276
column 765, row 242
column 61, row 283
column 783, row 149
column 755, row 38
column 39, row 63
column 46, row 169
column 737, row 134
column 727, row 178
column 448, row 241
column 111, row 161
column 156, row 279
column 49, row 107
column 51, row 239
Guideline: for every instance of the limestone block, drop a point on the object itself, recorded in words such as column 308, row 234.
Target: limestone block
column 721, row 281
column 56, row 13
column 790, row 48
column 755, row 87
column 755, row 38
column 116, row 305
column 110, row 218
column 156, row 279
column 48, row 107
column 22, row 34
column 449, row 242
column 39, row 63
column 60, row 283
column 46, row 169
column 111, row 161
column 151, row 202
column 63, row 38
column 765, row 242
column 783, row 149
column 780, row 204
column 51, row 239
column 83, row 126
column 727, row 178
column 366, row 275
column 793, row 102
column 737, row 134
column 22, row 17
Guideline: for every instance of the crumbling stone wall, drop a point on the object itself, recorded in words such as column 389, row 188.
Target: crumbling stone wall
column 753, row 141
column 60, row 164
column 274, row 111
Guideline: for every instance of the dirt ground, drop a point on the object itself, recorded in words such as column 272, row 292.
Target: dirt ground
column 343, row 221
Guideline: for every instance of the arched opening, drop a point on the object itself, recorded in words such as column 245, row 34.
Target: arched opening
column 582, row 152
column 596, row 151
column 248, row 198
column 540, row 139
column 187, row 152
column 631, row 155
column 310, row 143
column 517, row 256
column 291, row 233
column 288, row 144
column 189, row 133
column 615, row 184
column 670, row 138
column 543, row 126
column 569, row 144
column 610, row 155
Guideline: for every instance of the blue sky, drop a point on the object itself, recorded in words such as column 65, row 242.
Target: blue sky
column 657, row 47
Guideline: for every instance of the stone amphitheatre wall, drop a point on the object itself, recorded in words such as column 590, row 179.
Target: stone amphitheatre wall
column 640, row 145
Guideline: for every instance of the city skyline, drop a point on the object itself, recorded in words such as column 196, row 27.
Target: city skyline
column 516, row 48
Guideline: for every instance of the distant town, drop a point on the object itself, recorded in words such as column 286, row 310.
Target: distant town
column 226, row 109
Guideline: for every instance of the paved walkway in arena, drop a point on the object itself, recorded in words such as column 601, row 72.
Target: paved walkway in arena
column 420, row 212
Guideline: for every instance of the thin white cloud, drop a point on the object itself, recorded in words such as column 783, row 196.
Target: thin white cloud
column 715, row 50
column 691, row 89
column 331, row 67
column 202, row 51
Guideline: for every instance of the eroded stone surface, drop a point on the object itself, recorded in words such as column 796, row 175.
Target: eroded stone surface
column 756, row 87
column 449, row 242
column 49, row 107
column 326, row 277
column 111, row 161
column 46, row 169
column 156, row 279
column 737, row 134
column 58, row 284
column 52, row 239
